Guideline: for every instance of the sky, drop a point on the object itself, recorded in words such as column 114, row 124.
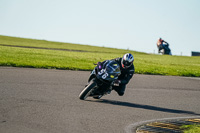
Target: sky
column 124, row 24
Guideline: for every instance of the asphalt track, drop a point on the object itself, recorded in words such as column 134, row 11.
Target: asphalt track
column 46, row 101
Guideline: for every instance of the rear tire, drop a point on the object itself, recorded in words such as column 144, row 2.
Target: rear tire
column 97, row 97
column 87, row 90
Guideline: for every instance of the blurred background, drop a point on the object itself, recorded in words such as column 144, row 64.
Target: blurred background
column 124, row 24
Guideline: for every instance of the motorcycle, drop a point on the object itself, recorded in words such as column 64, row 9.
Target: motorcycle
column 165, row 49
column 101, row 80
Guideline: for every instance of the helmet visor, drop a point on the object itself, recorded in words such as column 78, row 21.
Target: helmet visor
column 126, row 64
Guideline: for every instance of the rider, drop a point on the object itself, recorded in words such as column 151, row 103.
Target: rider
column 127, row 71
column 160, row 44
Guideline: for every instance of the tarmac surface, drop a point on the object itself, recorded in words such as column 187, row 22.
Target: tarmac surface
column 46, row 101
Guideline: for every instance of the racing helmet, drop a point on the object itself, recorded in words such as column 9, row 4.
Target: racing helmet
column 127, row 60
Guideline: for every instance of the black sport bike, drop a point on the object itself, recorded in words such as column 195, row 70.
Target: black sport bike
column 164, row 49
column 101, row 80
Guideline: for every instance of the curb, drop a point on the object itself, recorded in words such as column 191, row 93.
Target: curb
column 165, row 125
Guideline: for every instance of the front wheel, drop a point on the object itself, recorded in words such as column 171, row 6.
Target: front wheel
column 87, row 90
column 163, row 51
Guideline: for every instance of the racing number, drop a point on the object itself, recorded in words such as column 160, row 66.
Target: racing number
column 104, row 75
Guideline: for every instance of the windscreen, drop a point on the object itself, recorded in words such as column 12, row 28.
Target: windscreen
column 113, row 68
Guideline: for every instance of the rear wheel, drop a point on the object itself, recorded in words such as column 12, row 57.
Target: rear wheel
column 97, row 97
column 87, row 90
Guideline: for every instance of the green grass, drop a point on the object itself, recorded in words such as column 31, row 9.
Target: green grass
column 15, row 41
column 73, row 60
column 191, row 128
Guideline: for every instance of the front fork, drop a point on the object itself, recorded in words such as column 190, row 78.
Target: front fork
column 92, row 75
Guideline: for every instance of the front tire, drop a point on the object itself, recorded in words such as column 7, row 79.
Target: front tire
column 163, row 52
column 87, row 90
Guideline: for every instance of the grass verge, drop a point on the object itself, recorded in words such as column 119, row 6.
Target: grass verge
column 191, row 128
column 74, row 60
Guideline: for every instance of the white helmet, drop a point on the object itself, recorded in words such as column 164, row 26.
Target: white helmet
column 127, row 60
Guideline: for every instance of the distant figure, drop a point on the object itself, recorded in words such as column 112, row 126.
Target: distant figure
column 163, row 47
column 160, row 44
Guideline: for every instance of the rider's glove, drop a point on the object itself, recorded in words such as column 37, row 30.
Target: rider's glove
column 117, row 82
